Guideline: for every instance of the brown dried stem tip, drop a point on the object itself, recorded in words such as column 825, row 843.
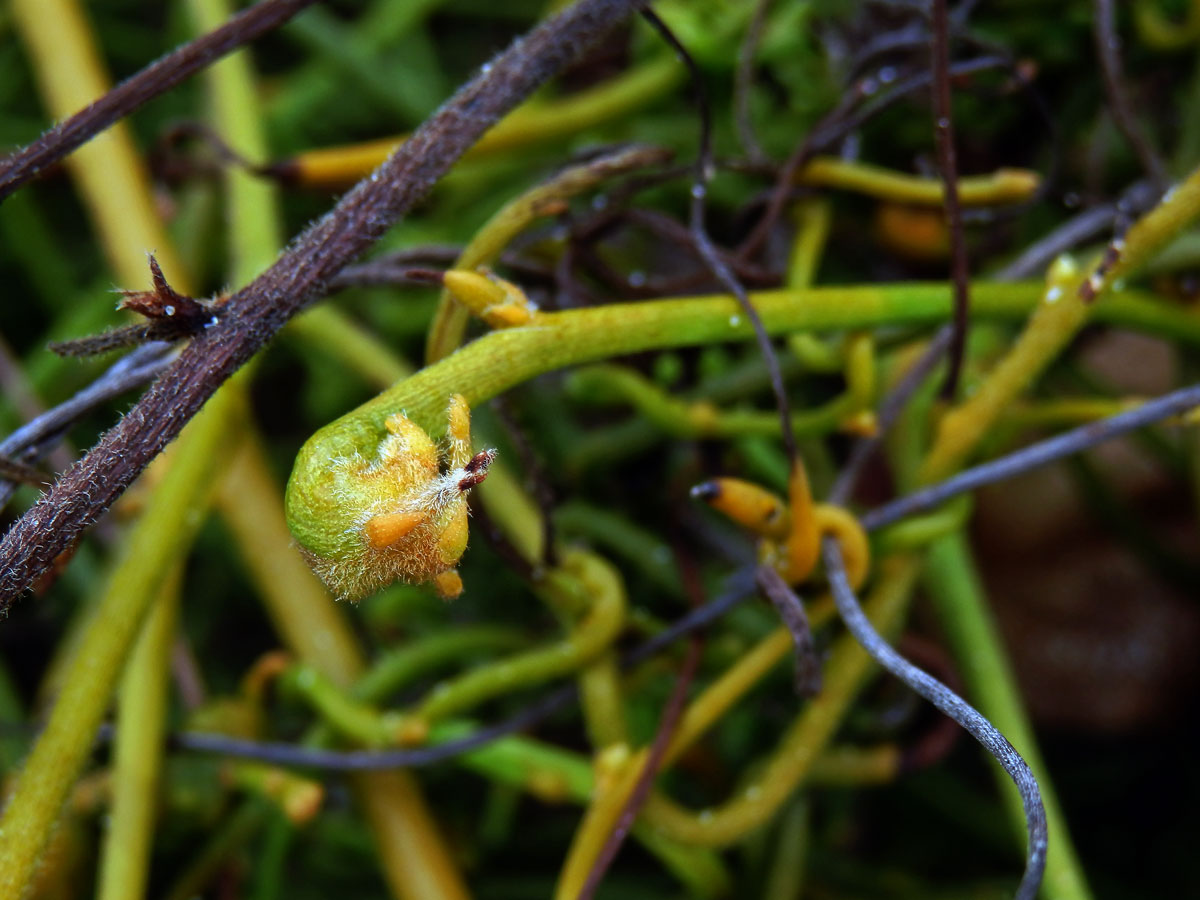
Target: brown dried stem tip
column 170, row 315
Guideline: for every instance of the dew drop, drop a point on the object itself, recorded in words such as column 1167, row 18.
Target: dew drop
column 637, row 278
column 887, row 74
column 170, row 310
column 699, row 191
column 735, row 321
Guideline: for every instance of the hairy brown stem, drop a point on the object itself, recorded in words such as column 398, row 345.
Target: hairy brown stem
column 155, row 79
column 257, row 311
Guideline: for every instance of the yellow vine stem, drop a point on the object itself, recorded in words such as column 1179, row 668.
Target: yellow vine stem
column 1162, row 33
column 860, row 383
column 618, row 771
column 1057, row 318
column 720, row 696
column 813, row 217
column 116, row 192
column 535, row 122
column 137, row 751
column 1175, row 211
column 414, row 859
column 297, row 797
column 1001, row 187
column 450, row 318
column 792, row 760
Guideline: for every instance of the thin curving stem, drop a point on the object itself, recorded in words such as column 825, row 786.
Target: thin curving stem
column 952, row 705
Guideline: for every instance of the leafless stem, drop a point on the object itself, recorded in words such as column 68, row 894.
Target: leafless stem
column 153, row 80
column 1069, row 442
column 637, row 798
column 744, row 78
column 952, row 705
column 36, row 437
column 943, row 132
column 708, row 251
column 1108, row 47
column 739, row 586
column 791, row 611
column 257, row 311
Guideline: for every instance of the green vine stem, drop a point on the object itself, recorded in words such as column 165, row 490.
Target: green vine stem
column 959, row 598
column 322, row 519
column 785, row 877
column 396, row 668
column 606, row 383
column 586, row 575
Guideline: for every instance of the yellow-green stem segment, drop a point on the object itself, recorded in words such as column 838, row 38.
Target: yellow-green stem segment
column 137, row 755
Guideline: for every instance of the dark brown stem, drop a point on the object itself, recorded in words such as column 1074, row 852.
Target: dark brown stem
column 257, row 311
column 708, row 251
column 155, row 79
column 1108, row 47
column 668, row 721
column 744, row 78
column 791, row 612
column 943, row 132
